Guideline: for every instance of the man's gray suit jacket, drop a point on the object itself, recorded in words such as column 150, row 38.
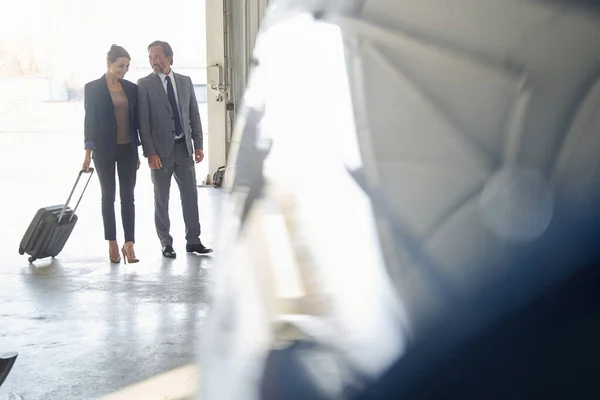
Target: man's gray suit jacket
column 156, row 122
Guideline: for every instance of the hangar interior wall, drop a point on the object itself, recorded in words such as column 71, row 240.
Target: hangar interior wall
column 231, row 29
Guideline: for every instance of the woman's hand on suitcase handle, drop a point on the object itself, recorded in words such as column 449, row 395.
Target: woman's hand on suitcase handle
column 87, row 160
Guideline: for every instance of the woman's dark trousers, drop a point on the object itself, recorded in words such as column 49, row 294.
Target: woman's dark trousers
column 126, row 166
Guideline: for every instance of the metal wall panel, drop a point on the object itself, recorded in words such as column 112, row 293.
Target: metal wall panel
column 242, row 24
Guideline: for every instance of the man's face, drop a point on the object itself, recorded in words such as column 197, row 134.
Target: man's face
column 159, row 62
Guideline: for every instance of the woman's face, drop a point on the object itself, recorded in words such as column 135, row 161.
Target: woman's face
column 120, row 67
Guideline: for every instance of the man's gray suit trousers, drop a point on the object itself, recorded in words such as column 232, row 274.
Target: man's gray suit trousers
column 182, row 167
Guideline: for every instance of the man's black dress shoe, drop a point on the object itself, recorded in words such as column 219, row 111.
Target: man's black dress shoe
column 167, row 251
column 197, row 248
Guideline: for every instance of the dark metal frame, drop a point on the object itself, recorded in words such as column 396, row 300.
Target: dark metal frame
column 7, row 360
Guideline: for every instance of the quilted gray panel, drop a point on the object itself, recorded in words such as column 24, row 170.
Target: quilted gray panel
column 484, row 120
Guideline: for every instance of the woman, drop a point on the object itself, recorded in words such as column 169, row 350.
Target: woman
column 112, row 140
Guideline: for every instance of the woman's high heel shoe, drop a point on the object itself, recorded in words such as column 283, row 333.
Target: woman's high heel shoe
column 114, row 258
column 128, row 253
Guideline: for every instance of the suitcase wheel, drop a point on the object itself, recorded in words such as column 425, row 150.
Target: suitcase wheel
column 31, row 259
column 21, row 251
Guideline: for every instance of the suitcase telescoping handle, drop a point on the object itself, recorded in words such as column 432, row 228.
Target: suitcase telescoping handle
column 62, row 212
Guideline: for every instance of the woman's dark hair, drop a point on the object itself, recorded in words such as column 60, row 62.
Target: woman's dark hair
column 116, row 52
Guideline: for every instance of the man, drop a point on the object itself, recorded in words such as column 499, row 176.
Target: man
column 171, row 134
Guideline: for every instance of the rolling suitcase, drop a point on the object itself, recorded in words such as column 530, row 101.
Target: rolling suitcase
column 51, row 227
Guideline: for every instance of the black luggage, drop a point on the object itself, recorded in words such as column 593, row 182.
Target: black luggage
column 218, row 177
column 51, row 227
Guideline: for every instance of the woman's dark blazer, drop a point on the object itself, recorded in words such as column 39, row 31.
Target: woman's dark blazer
column 100, row 126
